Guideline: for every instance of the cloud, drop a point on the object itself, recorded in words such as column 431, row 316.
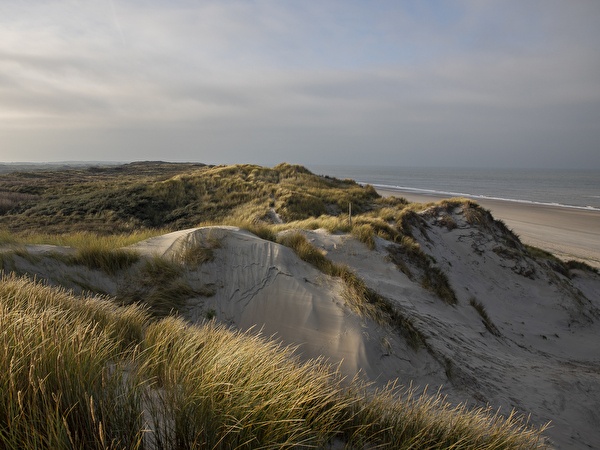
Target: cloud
column 452, row 82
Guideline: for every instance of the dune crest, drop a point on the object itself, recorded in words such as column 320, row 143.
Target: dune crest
column 517, row 332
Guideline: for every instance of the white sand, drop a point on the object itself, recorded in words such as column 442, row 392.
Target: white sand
column 544, row 362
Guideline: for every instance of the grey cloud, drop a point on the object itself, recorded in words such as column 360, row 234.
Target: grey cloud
column 476, row 82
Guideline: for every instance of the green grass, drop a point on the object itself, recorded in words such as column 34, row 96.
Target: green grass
column 85, row 373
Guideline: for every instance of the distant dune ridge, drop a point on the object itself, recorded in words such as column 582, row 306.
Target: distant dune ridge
column 442, row 295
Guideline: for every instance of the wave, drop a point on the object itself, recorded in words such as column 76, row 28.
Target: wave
column 476, row 196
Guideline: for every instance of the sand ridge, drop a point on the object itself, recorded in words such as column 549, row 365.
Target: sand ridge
column 569, row 233
column 543, row 360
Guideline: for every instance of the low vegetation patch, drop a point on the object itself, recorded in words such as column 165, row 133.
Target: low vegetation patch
column 485, row 318
column 149, row 196
column 580, row 265
column 432, row 278
column 359, row 297
column 110, row 261
column 200, row 252
column 79, row 239
column 85, row 373
column 160, row 284
column 560, row 266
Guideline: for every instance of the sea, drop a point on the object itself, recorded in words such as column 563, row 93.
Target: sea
column 554, row 187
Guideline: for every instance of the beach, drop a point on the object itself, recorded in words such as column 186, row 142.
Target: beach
column 568, row 233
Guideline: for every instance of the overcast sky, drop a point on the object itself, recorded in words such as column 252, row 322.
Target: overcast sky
column 508, row 83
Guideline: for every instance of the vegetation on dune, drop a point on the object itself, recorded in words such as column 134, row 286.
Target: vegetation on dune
column 140, row 196
column 79, row 239
column 560, row 266
column 85, row 373
column 359, row 297
column 160, row 284
column 110, row 261
column 485, row 318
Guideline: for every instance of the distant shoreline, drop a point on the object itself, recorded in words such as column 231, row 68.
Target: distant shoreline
column 568, row 233
column 477, row 198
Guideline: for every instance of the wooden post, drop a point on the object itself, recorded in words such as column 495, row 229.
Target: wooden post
column 350, row 213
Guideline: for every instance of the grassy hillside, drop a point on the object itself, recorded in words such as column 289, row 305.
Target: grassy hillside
column 120, row 199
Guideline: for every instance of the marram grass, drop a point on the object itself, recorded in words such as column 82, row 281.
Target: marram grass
column 80, row 239
column 83, row 373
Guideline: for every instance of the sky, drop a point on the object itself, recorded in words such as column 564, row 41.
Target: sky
column 455, row 83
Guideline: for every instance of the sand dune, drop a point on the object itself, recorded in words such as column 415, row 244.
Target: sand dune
column 542, row 361
column 569, row 233
column 536, row 353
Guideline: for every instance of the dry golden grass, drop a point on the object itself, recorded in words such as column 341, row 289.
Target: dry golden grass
column 85, row 373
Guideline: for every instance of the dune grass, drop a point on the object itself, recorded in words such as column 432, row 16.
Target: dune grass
column 80, row 239
column 407, row 253
column 85, row 373
column 110, row 261
column 63, row 381
column 161, row 285
column 563, row 267
column 358, row 296
column 485, row 318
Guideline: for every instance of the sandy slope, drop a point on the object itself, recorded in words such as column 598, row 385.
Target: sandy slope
column 542, row 360
column 263, row 285
column 568, row 233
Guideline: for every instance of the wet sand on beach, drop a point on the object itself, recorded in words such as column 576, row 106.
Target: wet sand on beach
column 568, row 233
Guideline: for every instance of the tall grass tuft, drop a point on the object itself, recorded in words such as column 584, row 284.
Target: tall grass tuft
column 397, row 418
column 63, row 383
column 84, row 373
column 161, row 285
column 485, row 318
column 432, row 277
column 81, row 239
column 230, row 390
column 110, row 261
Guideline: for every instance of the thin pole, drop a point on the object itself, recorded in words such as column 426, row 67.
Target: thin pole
column 350, row 213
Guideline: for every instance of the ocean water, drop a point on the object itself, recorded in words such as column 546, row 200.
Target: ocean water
column 566, row 188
